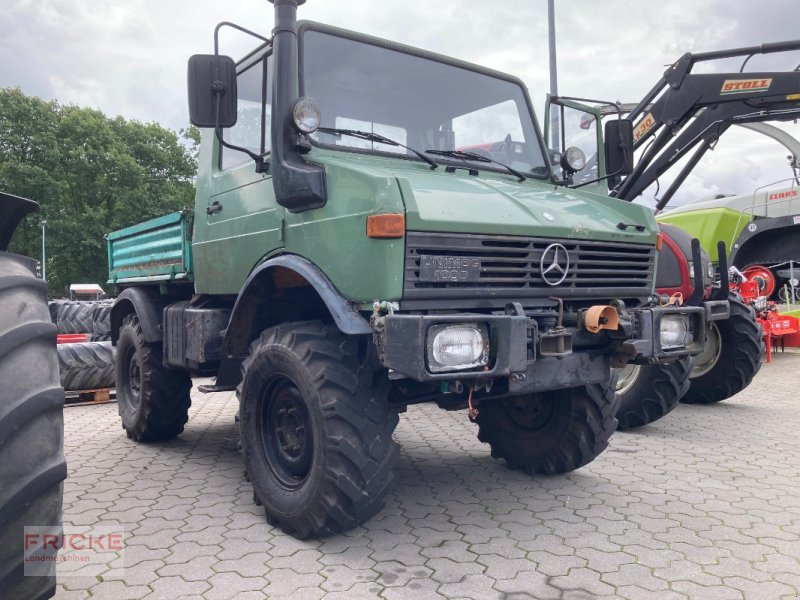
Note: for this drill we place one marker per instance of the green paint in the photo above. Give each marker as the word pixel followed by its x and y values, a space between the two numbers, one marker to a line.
pixel 227 244
pixel 159 248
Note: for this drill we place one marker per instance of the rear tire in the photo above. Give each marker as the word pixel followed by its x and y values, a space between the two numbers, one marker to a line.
pixel 740 340
pixel 551 432
pixel 649 392
pixel 316 429
pixel 32 465
pixel 153 401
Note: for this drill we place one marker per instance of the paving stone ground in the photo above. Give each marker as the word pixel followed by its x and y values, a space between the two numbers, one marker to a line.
pixel 702 504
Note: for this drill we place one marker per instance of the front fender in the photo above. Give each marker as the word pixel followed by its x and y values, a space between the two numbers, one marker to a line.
pixel 261 284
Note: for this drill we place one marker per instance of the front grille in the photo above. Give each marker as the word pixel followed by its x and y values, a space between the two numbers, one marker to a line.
pixel 510 268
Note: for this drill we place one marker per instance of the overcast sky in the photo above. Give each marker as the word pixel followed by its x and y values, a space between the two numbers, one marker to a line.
pixel 129 57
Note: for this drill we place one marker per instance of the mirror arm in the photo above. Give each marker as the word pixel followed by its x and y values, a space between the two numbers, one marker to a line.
pixel 609 176
pixel 239 28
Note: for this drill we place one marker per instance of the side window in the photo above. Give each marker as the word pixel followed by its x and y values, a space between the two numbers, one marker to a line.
pixel 252 129
pixel 577 128
pixel 580 129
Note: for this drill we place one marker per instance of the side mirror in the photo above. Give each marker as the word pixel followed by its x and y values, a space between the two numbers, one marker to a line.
pixel 212 90
pixel 619 147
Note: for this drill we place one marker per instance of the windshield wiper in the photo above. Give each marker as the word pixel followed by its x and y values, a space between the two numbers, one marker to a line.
pixel 464 155
pixel 377 138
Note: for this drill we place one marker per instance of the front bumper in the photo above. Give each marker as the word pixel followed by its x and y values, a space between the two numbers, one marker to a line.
pixel 529 357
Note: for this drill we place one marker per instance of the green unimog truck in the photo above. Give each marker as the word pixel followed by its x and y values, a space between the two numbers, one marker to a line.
pixel 377 226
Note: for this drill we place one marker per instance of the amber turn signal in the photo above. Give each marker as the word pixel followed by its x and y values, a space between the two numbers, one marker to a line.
pixel 659 241
pixel 386 226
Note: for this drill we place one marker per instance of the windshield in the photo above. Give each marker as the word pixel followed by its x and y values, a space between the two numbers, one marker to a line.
pixel 418 102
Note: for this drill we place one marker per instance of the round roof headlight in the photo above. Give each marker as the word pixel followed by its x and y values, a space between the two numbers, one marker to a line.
pixel 573 159
pixel 306 116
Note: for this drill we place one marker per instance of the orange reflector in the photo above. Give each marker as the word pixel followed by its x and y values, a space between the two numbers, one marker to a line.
pixel 659 241
pixel 386 226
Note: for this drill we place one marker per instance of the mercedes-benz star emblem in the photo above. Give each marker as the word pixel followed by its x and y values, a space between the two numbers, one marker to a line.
pixel 554 264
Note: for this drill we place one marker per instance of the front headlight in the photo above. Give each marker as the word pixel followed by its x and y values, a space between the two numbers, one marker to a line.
pixel 457 347
pixel 691 271
pixel 674 332
pixel 573 159
pixel 306 116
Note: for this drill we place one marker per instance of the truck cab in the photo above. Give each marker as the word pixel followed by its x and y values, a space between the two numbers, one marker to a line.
pixel 376 226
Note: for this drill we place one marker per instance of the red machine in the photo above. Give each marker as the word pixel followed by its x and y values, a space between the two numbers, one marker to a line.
pixel 775 325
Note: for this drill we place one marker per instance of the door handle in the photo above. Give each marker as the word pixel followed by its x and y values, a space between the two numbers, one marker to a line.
pixel 214 208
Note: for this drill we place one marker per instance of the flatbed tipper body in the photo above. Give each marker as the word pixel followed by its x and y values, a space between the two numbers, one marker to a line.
pixel 156 250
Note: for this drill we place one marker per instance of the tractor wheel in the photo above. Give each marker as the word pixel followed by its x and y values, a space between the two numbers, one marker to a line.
pixel 735 351
pixel 550 432
pixel 316 429
pixel 32 465
pixel 153 401
pixel 649 392
pixel 87 366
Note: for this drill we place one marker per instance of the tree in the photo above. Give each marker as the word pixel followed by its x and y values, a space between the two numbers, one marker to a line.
pixel 91 175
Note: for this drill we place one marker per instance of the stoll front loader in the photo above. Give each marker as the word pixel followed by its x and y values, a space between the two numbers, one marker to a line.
pixel 683 112
pixel 346 258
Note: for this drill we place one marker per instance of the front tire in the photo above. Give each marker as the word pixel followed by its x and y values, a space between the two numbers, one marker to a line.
pixel 650 392
pixel 153 401
pixel 316 429
pixel 551 432
pixel 738 351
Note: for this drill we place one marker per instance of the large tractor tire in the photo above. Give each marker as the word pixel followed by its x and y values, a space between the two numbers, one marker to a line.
pixel 649 392
pixel 733 356
pixel 153 401
pixel 316 429
pixel 550 432
pixel 75 317
pixel 87 366
pixel 32 465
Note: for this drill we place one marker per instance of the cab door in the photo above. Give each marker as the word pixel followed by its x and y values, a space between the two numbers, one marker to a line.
pixel 242 220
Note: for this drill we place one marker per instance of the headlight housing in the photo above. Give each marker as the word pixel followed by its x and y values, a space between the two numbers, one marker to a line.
pixel 674 332
pixel 457 347
pixel 306 116
pixel 573 159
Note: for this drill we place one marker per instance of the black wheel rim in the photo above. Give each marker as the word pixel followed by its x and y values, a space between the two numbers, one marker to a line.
pixel 285 430
pixel 531 413
pixel 133 379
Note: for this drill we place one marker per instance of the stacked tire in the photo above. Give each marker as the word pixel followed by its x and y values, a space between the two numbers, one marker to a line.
pixel 92 317
pixel 85 365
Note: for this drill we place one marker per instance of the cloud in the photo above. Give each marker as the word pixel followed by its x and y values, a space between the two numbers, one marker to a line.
pixel 130 58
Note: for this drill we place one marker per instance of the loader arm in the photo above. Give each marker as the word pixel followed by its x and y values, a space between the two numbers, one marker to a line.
pixel 686 112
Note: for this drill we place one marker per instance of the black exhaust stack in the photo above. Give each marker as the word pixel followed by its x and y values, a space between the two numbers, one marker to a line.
pixel 298 185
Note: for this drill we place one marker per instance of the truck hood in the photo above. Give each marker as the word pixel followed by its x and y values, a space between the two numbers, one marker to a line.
pixel 489 205
pixel 497 204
